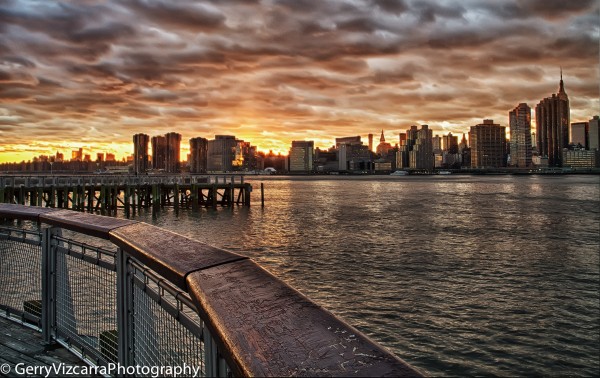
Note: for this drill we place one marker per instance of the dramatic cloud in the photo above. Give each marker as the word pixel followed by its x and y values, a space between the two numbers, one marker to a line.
pixel 93 73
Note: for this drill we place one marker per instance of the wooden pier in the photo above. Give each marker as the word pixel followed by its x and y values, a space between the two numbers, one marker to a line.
pixel 105 194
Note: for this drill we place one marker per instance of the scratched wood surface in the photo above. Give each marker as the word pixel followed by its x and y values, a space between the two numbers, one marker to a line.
pixel 19 344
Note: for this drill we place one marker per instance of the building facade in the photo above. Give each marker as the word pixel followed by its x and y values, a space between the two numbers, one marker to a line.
pixel 198 155
pixel 352 154
pixel 301 156
pixel 488 145
pixel 580 134
pixel 552 116
pixel 140 153
pixel 520 136
pixel 173 152
pixel 594 133
pixel 221 153
pixel 416 152
pixel 159 151
pixel 579 158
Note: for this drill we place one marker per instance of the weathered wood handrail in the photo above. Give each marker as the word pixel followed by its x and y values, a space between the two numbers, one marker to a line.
pixel 262 326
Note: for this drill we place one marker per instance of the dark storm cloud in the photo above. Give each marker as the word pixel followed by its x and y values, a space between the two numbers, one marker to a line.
pixel 189 14
pixel 392 6
pixel 295 67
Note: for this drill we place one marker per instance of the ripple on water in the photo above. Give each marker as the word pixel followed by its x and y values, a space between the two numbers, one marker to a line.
pixel 459 275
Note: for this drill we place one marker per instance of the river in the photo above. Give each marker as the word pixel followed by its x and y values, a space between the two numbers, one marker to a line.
pixel 457 275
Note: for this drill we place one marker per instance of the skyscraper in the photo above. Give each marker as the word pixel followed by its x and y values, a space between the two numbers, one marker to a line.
pixel 552 116
pixel 221 153
pixel 140 153
pixel 301 156
pixel 520 136
pixel 198 155
pixel 159 152
pixel 488 144
pixel 173 152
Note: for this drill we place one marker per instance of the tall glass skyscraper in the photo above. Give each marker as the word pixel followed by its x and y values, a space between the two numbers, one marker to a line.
pixel 520 136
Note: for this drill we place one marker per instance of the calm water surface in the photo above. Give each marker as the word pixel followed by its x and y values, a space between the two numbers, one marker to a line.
pixel 457 275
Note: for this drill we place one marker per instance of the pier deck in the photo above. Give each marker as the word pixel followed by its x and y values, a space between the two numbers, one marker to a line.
pixel 106 194
pixel 23 345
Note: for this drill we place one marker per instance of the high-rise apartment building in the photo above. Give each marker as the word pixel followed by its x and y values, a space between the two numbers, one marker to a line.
pixel 520 136
pixel 580 134
pixel 594 133
pixel 301 156
pixel 140 153
pixel 488 145
pixel 552 116
pixel 221 153
pixel 436 143
pixel 370 136
pixel 198 155
pixel 159 152
pixel 173 152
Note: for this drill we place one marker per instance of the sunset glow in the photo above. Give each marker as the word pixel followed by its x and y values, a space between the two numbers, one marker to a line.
pixel 92 74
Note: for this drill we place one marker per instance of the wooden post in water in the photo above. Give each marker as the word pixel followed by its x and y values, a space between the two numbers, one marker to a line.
pixel 90 198
pixel 176 198
pixel 195 195
pixel 231 192
pixel 74 198
pixel 155 197
pixel 214 196
pixel 65 197
pixel 102 199
pixel 40 196
pixel 262 194
pixel 21 195
pixel 126 195
pixel 52 197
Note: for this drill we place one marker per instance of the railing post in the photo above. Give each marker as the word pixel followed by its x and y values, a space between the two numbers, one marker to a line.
pixel 48 283
pixel 124 307
pixel 211 364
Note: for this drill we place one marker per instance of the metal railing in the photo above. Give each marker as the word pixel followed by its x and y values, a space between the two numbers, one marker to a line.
pixel 119 291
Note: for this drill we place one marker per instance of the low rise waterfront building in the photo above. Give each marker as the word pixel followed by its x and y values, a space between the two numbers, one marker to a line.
pixel 581 158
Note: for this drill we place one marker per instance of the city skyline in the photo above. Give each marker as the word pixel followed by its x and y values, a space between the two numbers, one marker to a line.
pixel 80 74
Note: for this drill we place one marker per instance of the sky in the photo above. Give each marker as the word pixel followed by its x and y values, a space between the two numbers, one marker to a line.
pixel 91 73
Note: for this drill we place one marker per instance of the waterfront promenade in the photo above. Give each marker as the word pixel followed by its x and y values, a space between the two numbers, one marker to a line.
pixel 22 347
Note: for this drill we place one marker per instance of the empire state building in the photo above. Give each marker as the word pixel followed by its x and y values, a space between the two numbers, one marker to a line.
pixel 552 116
